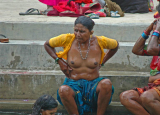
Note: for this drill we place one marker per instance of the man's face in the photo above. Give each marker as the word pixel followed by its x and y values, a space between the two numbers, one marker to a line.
pixel 82 33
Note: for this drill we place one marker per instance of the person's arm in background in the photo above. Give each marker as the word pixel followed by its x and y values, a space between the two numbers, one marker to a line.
pixel 153 46
pixel 139 46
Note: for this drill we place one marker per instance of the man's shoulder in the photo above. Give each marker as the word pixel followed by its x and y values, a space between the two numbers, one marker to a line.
pixel 102 37
pixel 69 34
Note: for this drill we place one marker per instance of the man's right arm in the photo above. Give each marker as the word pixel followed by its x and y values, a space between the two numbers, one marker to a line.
pixel 140 48
pixel 50 50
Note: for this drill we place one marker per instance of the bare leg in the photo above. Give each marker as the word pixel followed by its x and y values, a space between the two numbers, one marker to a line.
pixel 131 100
pixel 104 90
pixel 67 97
pixel 151 101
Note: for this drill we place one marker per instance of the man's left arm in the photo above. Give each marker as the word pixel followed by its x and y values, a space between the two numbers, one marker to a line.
pixel 110 53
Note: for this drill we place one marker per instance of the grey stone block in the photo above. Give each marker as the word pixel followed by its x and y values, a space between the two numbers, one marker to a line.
pixel 31 55
pixel 15 84
pixel 24 107
pixel 45 30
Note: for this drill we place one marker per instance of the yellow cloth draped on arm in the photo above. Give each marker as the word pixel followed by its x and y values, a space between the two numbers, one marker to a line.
pixel 66 40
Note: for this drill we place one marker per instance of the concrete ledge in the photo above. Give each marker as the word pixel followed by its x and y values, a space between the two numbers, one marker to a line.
pixel 31 55
pixel 40 27
pixel 15 84
pixel 35 31
pixel 22 106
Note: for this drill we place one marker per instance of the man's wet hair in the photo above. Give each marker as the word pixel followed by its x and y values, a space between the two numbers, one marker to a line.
pixel 45 102
pixel 85 21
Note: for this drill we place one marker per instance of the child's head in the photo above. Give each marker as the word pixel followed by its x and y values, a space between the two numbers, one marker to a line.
pixel 46 105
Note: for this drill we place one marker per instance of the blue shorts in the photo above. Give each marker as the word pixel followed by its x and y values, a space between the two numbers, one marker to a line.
pixel 85 93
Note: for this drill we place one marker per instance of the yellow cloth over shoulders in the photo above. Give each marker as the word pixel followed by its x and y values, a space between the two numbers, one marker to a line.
pixel 66 40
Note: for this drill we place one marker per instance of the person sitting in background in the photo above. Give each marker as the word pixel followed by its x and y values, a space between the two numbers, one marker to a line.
pixel 146 100
pixel 45 105
pixel 82 57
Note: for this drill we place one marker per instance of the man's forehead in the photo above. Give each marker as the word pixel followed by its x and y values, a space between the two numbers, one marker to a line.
pixel 80 26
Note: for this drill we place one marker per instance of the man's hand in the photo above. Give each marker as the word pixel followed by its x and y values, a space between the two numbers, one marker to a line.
pixel 158 25
pixel 150 27
pixel 66 69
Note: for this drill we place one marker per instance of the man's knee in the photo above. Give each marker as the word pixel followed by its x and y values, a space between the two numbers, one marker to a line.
pixel 147 98
pixel 65 91
pixel 126 96
pixel 106 84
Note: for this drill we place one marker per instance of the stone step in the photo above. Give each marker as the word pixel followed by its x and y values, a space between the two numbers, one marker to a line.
pixel 31 55
pixel 25 107
pixel 40 27
pixel 35 31
pixel 18 84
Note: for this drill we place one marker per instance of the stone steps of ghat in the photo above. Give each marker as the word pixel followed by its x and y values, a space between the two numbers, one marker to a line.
pixel 31 55
pixel 22 84
pixel 24 107
pixel 27 71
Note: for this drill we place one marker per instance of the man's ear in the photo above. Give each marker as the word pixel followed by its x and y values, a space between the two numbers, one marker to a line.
pixel 92 32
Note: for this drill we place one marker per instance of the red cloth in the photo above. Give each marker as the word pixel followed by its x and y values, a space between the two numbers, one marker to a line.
pixel 53 12
pixel 73 9
pixel 51 2
pixel 62 6
pixel 156 15
pixel 155 63
pixel 150 86
pixel 90 8
pixel 157 82
pixel 83 1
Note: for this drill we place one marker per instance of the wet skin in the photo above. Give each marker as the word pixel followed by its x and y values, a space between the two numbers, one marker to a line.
pixel 153 78
pixel 76 68
pixel 147 103
pixel 49 112
pixel 84 69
